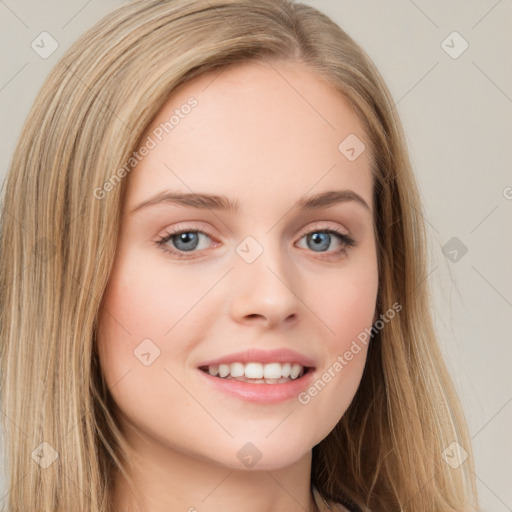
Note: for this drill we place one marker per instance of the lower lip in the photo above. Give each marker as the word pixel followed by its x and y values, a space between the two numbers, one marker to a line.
pixel 262 393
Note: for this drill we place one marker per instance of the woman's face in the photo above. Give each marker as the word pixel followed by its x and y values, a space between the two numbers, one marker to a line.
pixel 273 279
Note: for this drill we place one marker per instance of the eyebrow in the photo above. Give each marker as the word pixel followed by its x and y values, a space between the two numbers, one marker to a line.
pixel 221 202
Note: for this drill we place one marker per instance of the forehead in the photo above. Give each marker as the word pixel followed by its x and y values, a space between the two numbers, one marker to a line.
pixel 257 131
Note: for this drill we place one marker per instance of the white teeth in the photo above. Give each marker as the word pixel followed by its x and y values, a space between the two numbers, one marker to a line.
pixel 254 370
pixel 286 369
pixel 268 372
pixel 224 370
pixel 295 371
pixel 237 370
pixel 272 371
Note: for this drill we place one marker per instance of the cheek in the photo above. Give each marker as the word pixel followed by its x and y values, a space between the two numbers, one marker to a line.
pixel 126 318
pixel 143 302
pixel 131 325
pixel 346 302
pixel 346 308
pixel 351 310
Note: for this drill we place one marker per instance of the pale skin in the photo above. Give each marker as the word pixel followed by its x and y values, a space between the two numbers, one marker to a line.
pixel 260 142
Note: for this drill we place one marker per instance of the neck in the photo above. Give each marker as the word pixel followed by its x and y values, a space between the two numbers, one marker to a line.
pixel 168 480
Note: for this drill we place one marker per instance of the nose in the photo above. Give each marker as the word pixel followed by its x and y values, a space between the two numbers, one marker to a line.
pixel 265 291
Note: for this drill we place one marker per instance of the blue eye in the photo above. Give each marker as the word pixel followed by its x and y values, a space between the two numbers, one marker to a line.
pixel 322 239
pixel 187 241
pixel 183 243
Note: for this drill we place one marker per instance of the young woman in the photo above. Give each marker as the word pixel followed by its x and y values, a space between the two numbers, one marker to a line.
pixel 213 277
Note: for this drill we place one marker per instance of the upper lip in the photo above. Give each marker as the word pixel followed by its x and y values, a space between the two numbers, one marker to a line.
pixel 255 355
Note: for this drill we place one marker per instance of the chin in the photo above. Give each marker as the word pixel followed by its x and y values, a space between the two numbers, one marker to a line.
pixel 264 454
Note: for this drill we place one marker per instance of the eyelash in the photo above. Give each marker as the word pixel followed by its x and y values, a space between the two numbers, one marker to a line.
pixel 346 240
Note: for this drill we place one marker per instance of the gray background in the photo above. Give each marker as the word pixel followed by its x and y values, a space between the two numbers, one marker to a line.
pixel 457 115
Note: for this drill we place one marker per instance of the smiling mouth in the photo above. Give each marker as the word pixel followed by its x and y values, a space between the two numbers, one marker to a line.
pixel 258 373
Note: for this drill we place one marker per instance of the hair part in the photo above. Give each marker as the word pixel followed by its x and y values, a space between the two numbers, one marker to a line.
pixel 58 243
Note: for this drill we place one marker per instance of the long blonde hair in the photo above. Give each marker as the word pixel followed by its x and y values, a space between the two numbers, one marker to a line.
pixel 58 241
